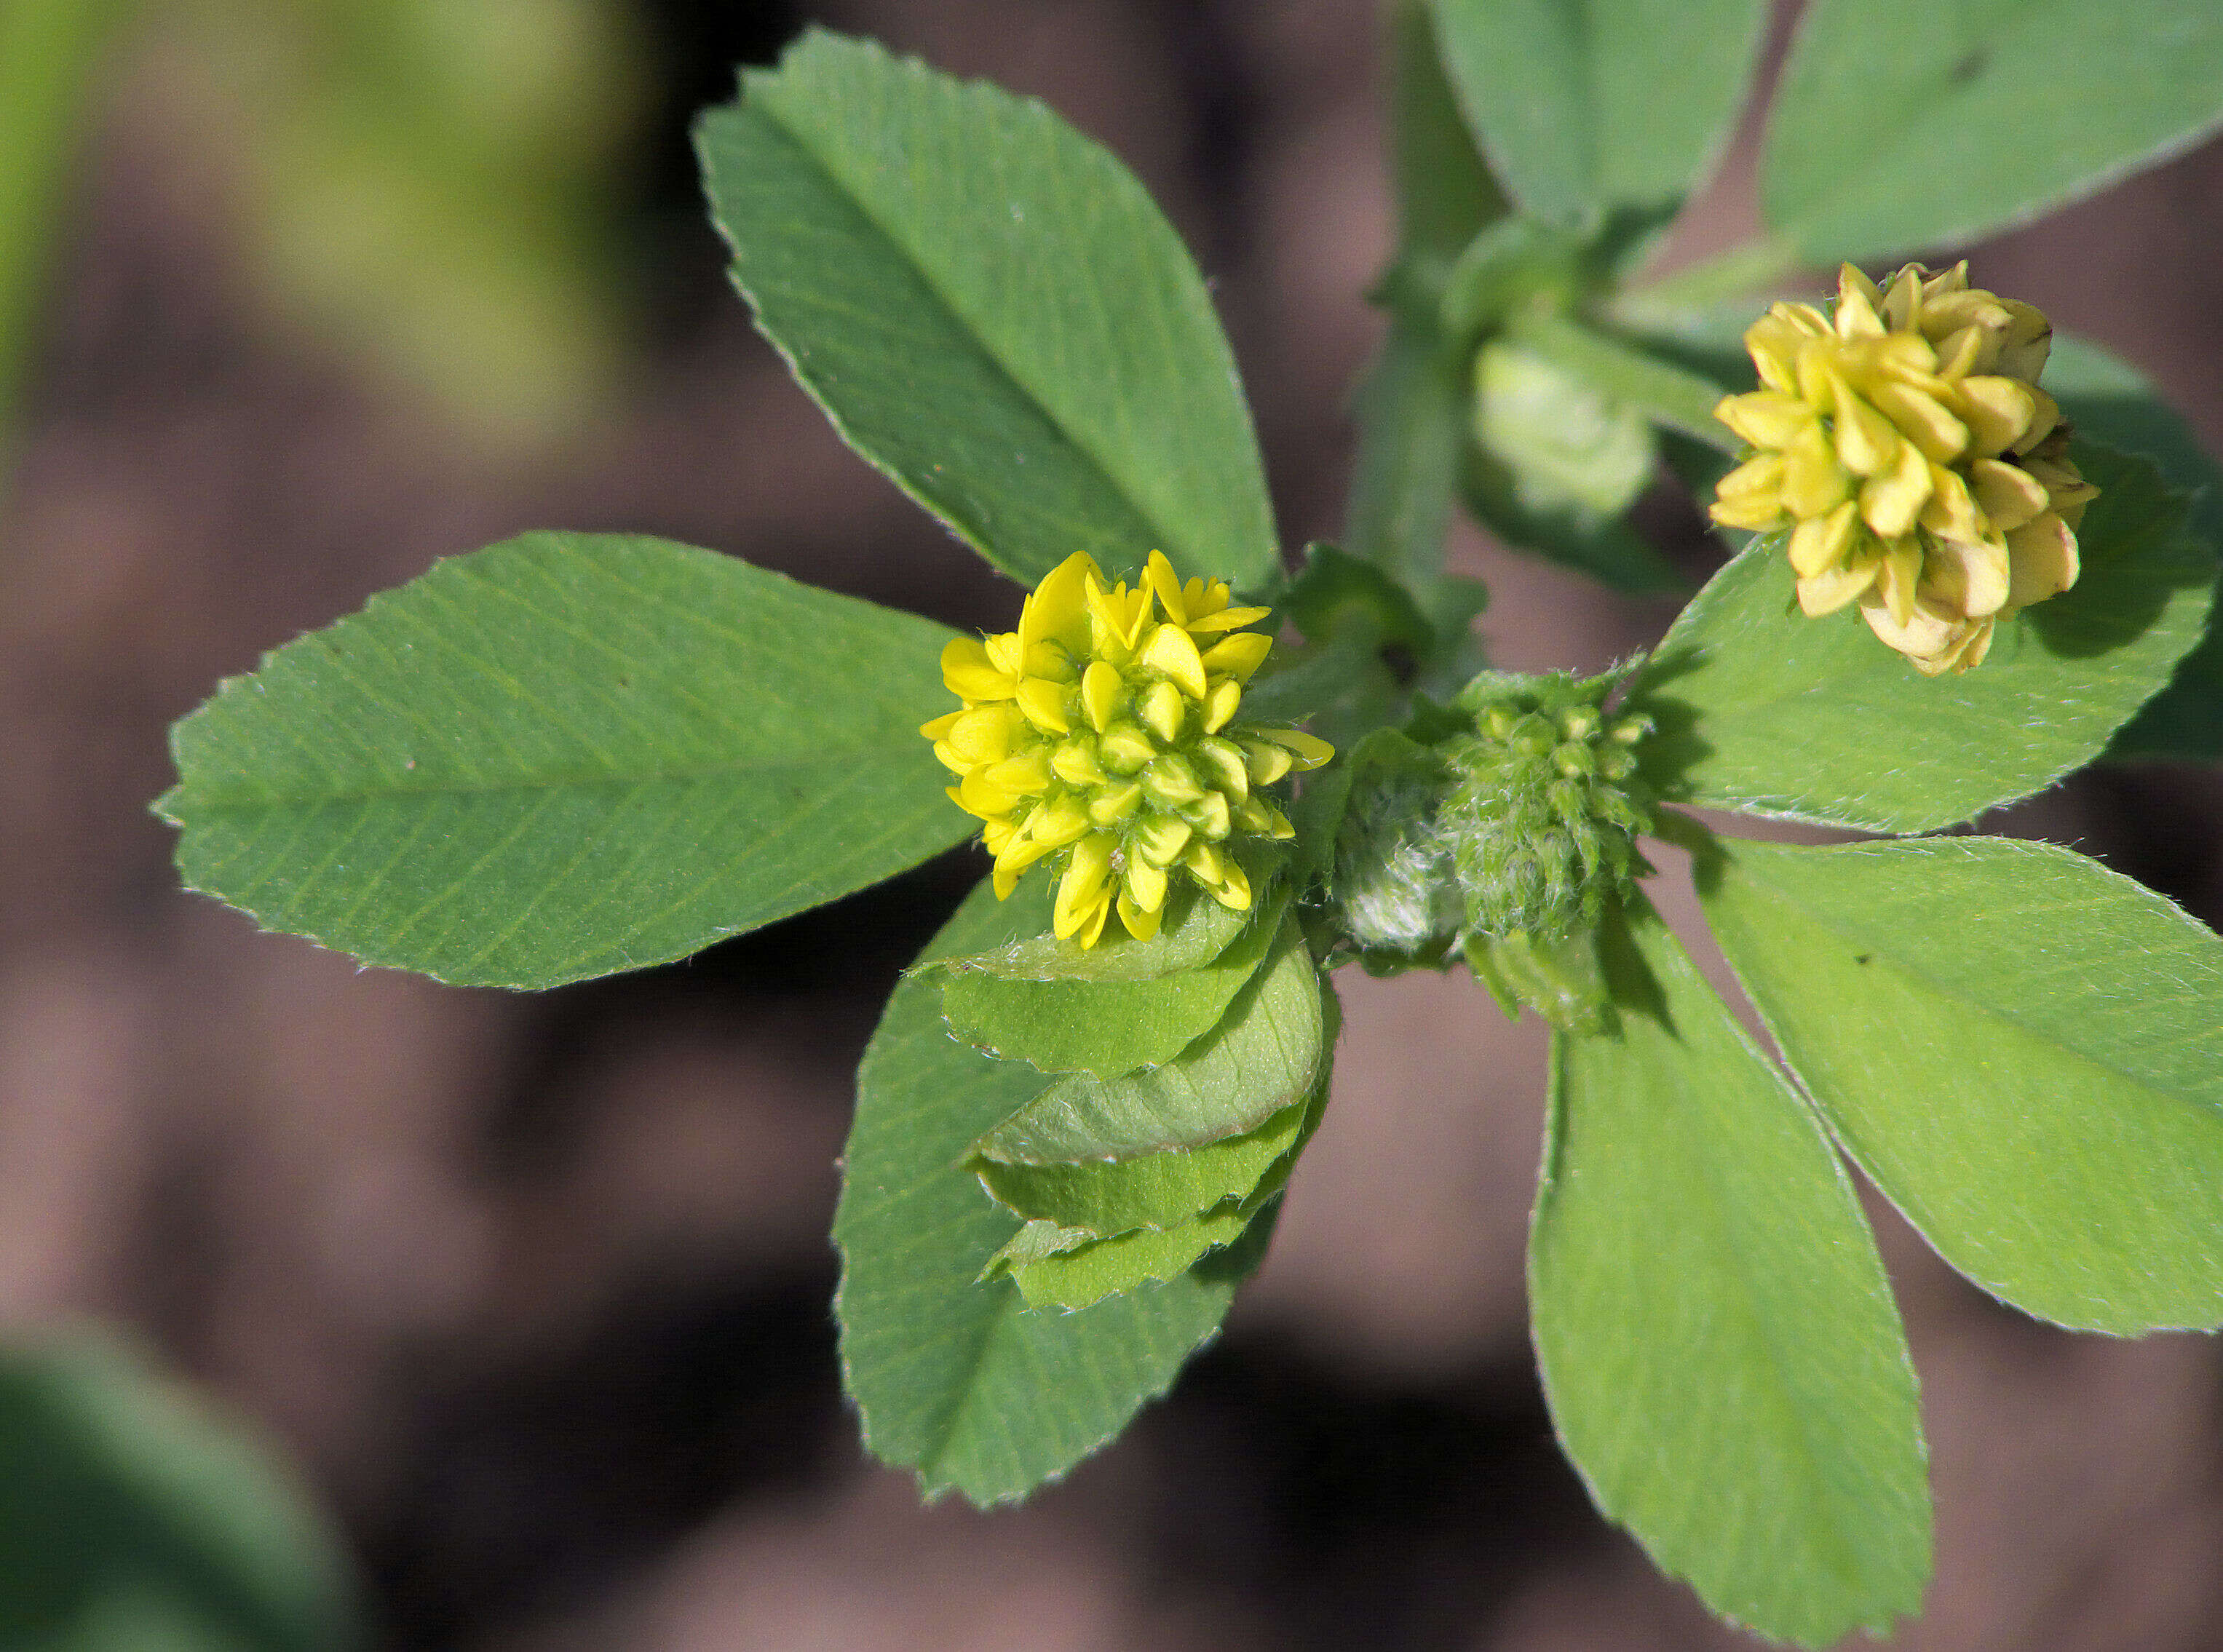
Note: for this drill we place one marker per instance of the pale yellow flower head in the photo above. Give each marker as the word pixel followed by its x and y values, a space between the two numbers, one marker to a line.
pixel 1905 442
pixel 1101 732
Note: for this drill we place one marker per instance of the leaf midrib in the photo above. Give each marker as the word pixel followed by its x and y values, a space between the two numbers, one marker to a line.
pixel 992 350
pixel 1987 1010
pixel 204 807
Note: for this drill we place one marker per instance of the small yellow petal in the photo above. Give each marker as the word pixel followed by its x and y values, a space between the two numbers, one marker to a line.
pixel 969 674
pixel 1074 763
pixel 1891 504
pixel 1141 922
pixel 1146 884
pixel 1923 420
pixel 1101 689
pixel 2008 495
pixel 1766 419
pixel 1265 761
pixel 1044 706
pixel 1820 542
pixel 1058 610
pixel 2043 558
pixel 1998 412
pixel 1110 807
pixel 1163 711
pixel 1228 772
pixel 1309 750
pixel 1161 839
pixel 1219 705
pixel 1171 651
pixel 1124 749
pixel 1236 656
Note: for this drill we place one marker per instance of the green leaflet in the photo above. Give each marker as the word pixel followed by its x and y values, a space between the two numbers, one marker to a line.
pixel 1104 1196
pixel 991 310
pixel 136 1517
pixel 1105 1027
pixel 955 1379
pixel 2110 401
pixel 1718 1343
pixel 1902 125
pixel 566 755
pixel 1761 708
pixel 2019 1047
pixel 1588 105
pixel 1263 1055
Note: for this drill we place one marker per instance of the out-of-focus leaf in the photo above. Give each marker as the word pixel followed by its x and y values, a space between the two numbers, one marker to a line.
pixel 1760 707
pixel 991 310
pixel 1902 125
pixel 1587 105
pixel 1718 1341
pixel 132 1515
pixel 566 755
pixel 955 1379
pixel 2019 1047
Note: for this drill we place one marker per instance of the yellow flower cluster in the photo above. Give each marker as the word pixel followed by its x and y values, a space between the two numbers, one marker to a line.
pixel 1905 442
pixel 1099 732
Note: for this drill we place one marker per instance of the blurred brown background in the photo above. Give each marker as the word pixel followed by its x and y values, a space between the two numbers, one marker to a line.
pixel 537 1288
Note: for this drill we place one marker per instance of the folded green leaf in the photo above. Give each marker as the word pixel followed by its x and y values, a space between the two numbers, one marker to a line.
pixel 567 755
pixel 2019 1047
pixel 1104 1196
pixel 1263 1053
pixel 1082 1275
pixel 2110 401
pixel 1107 1028
pixel 1718 1343
pixel 1903 124
pixel 137 1517
pixel 954 1377
pixel 1761 708
pixel 991 310
pixel 1587 106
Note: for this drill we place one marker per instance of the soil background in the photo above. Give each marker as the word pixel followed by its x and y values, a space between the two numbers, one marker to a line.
pixel 536 1288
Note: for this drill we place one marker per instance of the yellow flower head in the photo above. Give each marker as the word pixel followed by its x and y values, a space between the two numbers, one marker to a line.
pixel 1101 731
pixel 1905 442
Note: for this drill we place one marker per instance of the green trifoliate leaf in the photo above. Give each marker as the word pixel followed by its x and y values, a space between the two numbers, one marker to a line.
pixel 1759 707
pixel 1588 106
pixel 1718 1343
pixel 1106 1027
pixel 991 310
pixel 566 755
pixel 2019 1047
pixel 137 1517
pixel 1263 1054
pixel 2110 401
pixel 955 1379
pixel 1227 1244
pixel 1899 126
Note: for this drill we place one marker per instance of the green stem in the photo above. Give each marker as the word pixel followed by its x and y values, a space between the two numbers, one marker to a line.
pixel 50 52
pixel 1671 395
pixel 1750 267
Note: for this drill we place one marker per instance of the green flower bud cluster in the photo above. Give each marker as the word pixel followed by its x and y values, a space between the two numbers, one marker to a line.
pixel 1508 817
pixel 1546 807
